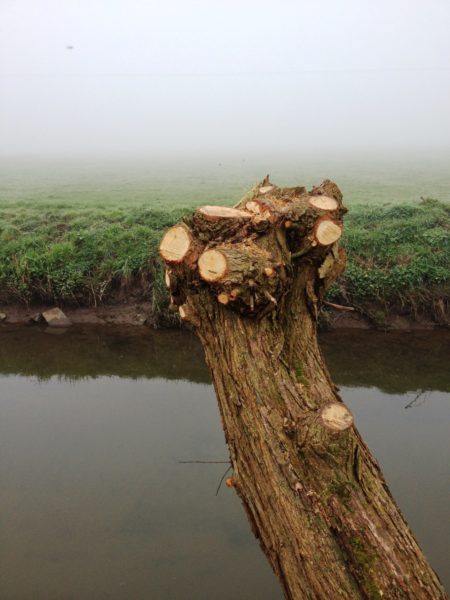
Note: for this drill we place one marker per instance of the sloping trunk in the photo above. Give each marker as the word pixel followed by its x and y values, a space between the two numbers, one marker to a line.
pixel 251 283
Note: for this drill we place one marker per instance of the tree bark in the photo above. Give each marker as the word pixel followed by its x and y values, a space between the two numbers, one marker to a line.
pixel 314 495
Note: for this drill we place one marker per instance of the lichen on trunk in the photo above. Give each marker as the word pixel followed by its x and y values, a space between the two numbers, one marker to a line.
pixel 314 495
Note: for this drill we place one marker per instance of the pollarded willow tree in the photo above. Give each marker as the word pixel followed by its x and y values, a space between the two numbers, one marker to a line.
pixel 251 280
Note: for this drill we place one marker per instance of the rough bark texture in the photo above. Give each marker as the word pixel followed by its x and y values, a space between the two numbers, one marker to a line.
pixel 314 495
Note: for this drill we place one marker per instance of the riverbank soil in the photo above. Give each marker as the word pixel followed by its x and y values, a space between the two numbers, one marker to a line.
pixel 142 314
pixel 120 314
pixel 251 283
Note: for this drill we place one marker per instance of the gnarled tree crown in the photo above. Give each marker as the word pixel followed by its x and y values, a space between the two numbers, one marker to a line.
pixel 248 255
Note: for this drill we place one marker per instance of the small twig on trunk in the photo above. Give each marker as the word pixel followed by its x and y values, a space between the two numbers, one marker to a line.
pixel 204 462
pixel 221 481
pixel 338 306
pixel 301 252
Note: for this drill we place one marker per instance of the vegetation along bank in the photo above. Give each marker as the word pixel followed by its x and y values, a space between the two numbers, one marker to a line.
pixel 81 255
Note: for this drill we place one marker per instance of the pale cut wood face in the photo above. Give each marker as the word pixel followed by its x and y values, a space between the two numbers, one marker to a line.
pixel 324 202
pixel 327 232
pixel 223 212
pixel 266 189
pixel 337 417
pixel 253 207
pixel 175 244
pixel 212 265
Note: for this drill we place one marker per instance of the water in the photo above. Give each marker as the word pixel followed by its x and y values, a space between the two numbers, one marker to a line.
pixel 93 424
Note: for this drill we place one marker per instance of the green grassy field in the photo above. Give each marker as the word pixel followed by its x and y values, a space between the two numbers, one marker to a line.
pixel 183 184
pixel 93 240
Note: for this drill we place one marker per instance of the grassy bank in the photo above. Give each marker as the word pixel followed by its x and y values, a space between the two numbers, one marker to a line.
pixel 87 254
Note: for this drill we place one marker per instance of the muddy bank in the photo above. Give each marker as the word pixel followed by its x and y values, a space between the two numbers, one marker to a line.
pixel 141 314
pixel 138 314
pixel 335 319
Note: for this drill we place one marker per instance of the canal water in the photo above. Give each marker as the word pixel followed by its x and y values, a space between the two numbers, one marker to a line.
pixel 94 423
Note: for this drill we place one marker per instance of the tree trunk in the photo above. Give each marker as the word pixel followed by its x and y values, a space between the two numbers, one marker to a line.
pixel 314 495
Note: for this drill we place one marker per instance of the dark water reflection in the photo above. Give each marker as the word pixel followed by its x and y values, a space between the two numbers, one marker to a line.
pixel 94 503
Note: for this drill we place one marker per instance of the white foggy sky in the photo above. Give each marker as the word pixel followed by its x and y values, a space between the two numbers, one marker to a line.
pixel 223 77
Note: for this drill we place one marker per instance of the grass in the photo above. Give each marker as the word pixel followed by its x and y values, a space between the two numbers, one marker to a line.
pixel 398 260
pixel 70 254
pixel 56 248
pixel 81 255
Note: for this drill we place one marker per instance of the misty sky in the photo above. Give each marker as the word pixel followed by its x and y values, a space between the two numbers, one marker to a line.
pixel 188 78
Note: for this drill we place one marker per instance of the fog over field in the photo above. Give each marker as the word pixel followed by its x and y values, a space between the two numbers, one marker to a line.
pixel 248 80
